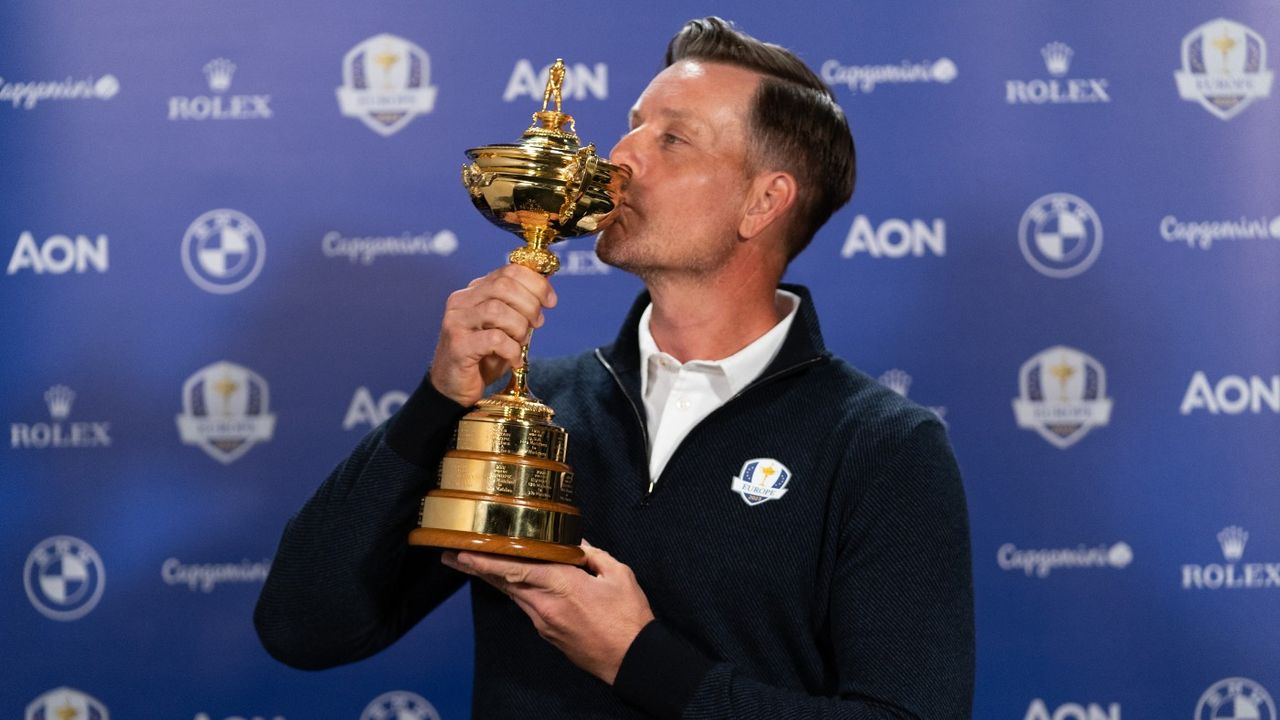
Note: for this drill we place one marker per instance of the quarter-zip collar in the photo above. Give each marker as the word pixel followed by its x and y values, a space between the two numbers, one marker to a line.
pixel 803 345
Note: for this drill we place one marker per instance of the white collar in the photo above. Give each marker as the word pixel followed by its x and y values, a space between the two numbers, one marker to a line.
pixel 739 368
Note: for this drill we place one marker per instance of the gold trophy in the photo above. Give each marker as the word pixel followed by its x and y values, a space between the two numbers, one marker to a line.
pixel 504 486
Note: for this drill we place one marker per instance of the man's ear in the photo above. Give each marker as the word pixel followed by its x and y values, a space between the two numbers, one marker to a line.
pixel 769 198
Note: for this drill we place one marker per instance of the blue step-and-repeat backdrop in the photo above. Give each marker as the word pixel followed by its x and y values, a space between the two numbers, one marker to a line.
pixel 227 231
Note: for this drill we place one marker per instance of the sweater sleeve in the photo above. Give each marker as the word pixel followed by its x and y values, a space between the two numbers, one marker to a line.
pixel 344 582
pixel 900 614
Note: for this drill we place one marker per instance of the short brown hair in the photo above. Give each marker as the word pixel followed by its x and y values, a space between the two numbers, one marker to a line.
pixel 796 124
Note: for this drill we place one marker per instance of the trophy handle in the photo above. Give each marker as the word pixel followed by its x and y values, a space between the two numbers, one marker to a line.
pixel 576 184
pixel 475 180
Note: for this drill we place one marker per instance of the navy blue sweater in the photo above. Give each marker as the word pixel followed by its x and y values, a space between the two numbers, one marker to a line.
pixel 849 596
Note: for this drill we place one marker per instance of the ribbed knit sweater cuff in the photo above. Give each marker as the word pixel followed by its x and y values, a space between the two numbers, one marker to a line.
pixel 660 672
pixel 425 414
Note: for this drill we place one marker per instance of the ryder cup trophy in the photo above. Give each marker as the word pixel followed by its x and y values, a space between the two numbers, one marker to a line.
pixel 504 486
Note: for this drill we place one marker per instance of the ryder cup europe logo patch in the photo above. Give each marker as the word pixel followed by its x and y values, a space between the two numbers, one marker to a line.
pixel 225 411
pixel 1064 395
pixel 65 702
pixel 761 479
pixel 386 82
pixel 1224 67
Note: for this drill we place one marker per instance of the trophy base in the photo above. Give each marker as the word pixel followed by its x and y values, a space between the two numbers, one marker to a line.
pixel 498 545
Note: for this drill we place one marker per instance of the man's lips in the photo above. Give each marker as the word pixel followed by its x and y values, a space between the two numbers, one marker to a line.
pixel 619 217
pixel 615 217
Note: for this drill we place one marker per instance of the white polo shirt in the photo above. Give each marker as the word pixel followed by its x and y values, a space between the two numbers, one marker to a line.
pixel 677 396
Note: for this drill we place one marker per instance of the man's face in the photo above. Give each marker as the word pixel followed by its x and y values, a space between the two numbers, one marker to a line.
pixel 687 149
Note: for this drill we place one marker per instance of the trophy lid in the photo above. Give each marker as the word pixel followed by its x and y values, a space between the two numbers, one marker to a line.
pixel 548 128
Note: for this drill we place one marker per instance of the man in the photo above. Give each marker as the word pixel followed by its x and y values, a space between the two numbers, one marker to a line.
pixel 843 590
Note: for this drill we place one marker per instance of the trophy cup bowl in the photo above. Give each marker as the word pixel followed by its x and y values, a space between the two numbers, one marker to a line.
pixel 504 486
pixel 544 189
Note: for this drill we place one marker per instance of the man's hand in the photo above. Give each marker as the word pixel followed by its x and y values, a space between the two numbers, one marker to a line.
pixel 484 326
pixel 592 619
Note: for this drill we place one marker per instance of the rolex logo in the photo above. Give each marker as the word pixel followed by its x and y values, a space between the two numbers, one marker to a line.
pixel 58 433
pixel 1058 88
pixel 900 382
pixel 1232 574
pixel 897 381
pixel 1232 539
pixel 220 105
pixel 59 399
pixel 1057 58
pixel 219 72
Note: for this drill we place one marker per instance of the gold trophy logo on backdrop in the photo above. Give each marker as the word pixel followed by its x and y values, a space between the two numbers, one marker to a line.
pixel 504 486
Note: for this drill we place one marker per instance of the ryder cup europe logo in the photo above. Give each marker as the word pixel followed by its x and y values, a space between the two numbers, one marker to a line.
pixel 223 251
pixel 1224 67
pixel 761 479
pixel 1060 235
pixel 1236 698
pixel 64 578
pixel 386 82
pixel 1063 395
pixel 225 411
pixel 65 702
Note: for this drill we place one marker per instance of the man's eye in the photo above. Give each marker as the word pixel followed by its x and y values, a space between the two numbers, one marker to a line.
pixel 669 139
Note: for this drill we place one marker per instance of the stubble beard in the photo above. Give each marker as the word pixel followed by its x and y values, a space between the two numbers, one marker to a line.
pixel 640 251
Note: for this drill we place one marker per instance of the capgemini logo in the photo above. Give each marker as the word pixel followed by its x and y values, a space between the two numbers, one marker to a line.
pixel 865 78
pixel 106 87
pixel 1041 562
pixel 1120 555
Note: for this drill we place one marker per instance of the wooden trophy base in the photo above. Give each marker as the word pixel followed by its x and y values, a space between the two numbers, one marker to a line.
pixel 498 545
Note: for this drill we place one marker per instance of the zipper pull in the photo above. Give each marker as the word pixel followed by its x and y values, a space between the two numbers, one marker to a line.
pixel 653 482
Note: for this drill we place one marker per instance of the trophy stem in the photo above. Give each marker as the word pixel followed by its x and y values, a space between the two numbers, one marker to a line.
pixel 519 383
pixel 535 255
pixel 538 237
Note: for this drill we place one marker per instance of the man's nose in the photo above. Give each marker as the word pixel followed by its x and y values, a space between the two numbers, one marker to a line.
pixel 623 153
